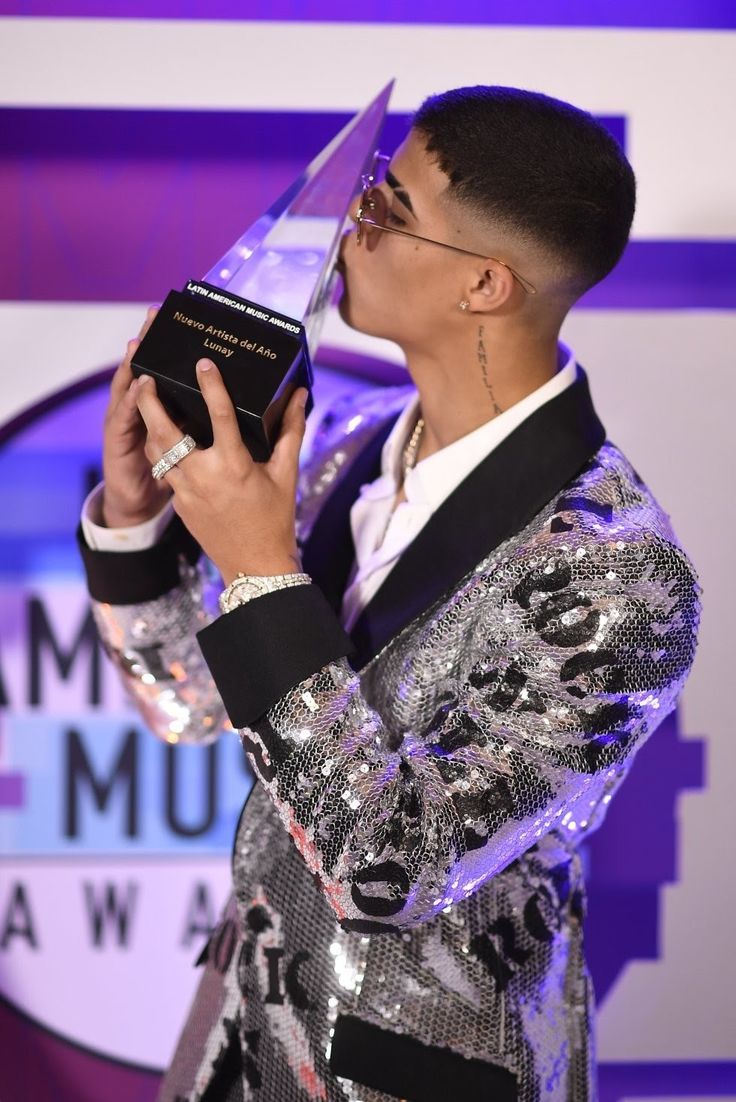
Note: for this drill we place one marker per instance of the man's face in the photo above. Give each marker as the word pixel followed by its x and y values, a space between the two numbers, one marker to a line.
pixel 396 287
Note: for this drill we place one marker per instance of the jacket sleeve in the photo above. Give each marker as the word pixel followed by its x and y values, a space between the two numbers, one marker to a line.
pixel 148 606
pixel 523 699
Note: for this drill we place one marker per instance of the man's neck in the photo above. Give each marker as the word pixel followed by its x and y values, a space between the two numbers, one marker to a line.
pixel 464 388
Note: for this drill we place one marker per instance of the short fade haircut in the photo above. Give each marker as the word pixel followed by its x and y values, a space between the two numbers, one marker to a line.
pixel 538 167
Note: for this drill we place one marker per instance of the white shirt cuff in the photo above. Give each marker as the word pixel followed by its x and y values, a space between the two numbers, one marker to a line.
pixel 139 537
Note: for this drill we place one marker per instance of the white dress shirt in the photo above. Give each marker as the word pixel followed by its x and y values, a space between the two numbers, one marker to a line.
pixel 426 486
pixel 379 534
pixel 136 538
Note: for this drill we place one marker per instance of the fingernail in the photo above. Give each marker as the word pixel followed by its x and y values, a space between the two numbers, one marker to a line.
pixel 204 365
pixel 303 398
pixel 143 379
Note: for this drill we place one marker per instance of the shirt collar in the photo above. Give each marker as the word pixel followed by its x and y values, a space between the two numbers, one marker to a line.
pixel 435 477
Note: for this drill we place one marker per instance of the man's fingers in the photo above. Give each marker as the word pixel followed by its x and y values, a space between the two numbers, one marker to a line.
pixel 130 351
pixel 162 431
pixel 225 431
pixel 286 453
pixel 123 377
pixel 148 321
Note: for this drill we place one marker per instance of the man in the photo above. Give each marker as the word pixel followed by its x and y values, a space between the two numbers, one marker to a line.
pixel 441 660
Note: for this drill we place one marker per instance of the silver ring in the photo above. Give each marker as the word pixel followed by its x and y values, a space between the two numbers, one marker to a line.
pixel 173 456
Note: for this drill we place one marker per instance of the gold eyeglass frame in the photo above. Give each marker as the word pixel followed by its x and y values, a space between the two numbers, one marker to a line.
pixel 361 220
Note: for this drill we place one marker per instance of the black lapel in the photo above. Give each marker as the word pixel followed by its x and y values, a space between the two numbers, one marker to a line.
pixel 328 554
pixel 496 500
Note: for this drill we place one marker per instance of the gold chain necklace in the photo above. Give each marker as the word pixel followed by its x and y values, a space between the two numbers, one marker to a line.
pixel 409 456
pixel 408 460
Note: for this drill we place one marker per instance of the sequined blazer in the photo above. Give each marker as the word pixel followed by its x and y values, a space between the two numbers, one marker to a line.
pixel 406 919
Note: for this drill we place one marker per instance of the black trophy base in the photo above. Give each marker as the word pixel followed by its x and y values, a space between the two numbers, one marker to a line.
pixel 262 357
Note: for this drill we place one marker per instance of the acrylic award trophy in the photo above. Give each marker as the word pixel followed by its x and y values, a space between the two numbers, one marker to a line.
pixel 259 311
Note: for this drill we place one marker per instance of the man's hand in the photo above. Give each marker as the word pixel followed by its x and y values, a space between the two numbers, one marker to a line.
pixel 131 495
pixel 242 513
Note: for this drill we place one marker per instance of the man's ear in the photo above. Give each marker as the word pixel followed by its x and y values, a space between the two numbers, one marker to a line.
pixel 491 287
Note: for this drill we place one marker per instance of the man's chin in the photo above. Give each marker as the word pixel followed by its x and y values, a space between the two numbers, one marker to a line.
pixel 347 313
pixel 345 310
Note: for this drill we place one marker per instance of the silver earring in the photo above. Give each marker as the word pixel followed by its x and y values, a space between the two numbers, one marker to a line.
pixel 464 305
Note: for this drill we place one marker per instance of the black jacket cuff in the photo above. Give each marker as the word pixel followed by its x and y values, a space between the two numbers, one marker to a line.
pixel 264 648
pixel 132 577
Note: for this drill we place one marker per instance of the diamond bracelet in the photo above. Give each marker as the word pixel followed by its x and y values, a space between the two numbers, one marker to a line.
pixel 246 587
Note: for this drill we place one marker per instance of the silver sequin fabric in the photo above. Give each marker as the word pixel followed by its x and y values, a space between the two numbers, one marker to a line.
pixel 411 858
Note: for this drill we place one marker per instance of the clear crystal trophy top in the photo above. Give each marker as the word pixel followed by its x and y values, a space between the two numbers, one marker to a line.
pixel 259 311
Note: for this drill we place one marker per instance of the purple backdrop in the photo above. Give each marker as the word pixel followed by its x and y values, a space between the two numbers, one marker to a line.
pixel 719 14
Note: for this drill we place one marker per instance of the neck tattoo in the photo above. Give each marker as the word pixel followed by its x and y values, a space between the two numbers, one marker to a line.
pixel 483 361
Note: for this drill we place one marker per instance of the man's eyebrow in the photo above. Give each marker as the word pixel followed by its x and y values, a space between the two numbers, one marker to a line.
pixel 399 190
